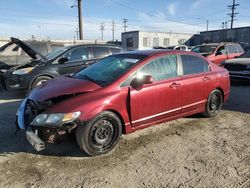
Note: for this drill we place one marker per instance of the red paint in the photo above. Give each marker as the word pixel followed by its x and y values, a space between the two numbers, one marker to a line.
pixel 152 104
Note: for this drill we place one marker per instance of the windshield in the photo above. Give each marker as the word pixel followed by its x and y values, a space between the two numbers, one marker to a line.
pixel 204 49
pixel 109 69
pixel 245 55
pixel 55 53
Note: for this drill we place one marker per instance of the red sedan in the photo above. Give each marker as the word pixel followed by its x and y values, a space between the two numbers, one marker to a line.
pixel 120 94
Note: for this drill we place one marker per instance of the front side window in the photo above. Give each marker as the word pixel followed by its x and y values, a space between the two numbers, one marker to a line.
pixel 77 54
pixel 193 65
pixel 100 52
pixel 161 68
pixel 221 50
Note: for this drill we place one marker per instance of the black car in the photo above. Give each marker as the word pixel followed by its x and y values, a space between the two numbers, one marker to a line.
pixel 61 61
pixel 239 68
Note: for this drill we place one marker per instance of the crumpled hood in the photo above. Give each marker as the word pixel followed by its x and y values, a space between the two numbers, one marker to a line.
pixel 242 61
pixel 61 86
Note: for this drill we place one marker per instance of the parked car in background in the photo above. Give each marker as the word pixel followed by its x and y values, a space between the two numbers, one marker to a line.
pixel 219 52
pixel 14 53
pixel 121 94
pixel 61 61
pixel 178 47
pixel 239 68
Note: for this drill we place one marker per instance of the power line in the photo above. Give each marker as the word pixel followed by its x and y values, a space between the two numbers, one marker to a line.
pixel 233 13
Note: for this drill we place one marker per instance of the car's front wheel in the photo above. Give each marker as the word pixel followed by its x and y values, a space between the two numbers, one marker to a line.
pixel 214 103
pixel 99 135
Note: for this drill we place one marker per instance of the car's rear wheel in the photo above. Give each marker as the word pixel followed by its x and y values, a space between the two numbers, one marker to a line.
pixel 99 135
pixel 38 81
pixel 214 103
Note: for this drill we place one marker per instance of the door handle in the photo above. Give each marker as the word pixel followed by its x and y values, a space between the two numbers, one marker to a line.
pixel 174 85
pixel 206 78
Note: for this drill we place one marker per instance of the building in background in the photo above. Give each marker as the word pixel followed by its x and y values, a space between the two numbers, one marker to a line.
pixel 240 35
pixel 133 40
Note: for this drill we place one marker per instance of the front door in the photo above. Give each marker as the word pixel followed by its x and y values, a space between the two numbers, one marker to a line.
pixel 220 55
pixel 77 59
pixel 160 99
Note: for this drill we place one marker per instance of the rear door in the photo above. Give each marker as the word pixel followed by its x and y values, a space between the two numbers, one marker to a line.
pixel 196 82
pixel 78 58
pixel 232 51
pixel 158 100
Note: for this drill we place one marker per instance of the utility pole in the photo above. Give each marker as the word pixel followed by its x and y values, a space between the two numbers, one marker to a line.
pixel 125 24
pixel 207 24
pixel 233 13
pixel 102 28
pixel 80 19
pixel 113 30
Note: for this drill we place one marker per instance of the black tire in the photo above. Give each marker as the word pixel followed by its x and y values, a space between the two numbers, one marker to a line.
pixel 99 135
pixel 39 81
pixel 214 103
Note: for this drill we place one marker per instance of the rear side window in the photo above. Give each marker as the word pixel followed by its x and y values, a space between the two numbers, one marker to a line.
pixel 232 49
pixel 99 52
pixel 115 50
pixel 77 54
pixel 193 65
pixel 240 49
pixel 161 68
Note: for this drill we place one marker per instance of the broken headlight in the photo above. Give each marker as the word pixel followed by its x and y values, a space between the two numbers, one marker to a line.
pixel 55 119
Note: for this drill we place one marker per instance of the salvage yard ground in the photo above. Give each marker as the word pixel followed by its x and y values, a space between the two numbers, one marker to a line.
pixel 189 152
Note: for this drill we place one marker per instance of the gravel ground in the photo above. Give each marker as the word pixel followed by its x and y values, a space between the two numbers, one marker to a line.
pixel 189 152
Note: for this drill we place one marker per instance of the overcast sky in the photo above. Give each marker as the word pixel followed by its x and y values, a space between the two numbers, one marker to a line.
pixel 56 18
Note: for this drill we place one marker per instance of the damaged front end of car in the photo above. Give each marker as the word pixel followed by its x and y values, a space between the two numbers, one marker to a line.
pixel 41 126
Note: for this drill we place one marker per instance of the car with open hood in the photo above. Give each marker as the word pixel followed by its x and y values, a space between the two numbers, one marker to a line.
pixel 61 61
pixel 16 52
pixel 239 68
pixel 219 52
pixel 121 94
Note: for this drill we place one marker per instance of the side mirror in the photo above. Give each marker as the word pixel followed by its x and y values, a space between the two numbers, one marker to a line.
pixel 63 60
pixel 139 82
pixel 218 53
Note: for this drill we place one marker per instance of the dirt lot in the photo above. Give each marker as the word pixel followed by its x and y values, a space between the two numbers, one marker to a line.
pixel 190 152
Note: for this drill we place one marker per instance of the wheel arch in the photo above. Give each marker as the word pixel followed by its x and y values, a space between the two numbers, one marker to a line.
pixel 221 90
pixel 120 117
pixel 37 76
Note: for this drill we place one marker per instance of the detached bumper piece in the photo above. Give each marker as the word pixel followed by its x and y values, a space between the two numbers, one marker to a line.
pixel 34 140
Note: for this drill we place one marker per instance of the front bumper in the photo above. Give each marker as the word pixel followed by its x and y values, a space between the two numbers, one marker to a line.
pixel 34 140
pixel 16 82
pixel 37 135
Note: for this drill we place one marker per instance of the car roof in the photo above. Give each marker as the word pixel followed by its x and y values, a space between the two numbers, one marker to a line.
pixel 102 45
pixel 154 52
pixel 216 44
